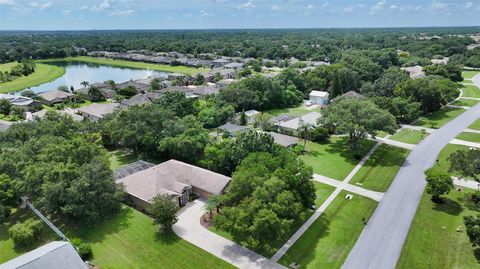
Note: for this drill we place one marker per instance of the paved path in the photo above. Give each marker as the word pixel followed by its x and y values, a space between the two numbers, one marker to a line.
pixel 465 143
pixel 395 143
pixel 189 228
pixel 381 242
pixel 470 98
pixel 468 130
pixel 374 195
pixel 461 107
pixel 322 208
pixel 418 128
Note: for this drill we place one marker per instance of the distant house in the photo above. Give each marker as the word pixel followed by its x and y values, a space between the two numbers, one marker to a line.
pixel 175 76
pixel 281 118
pixel 20 101
pixel 440 61
pixel 56 96
pixel 319 98
pixel 350 94
pixel 225 82
pixel 42 113
pixel 219 62
pixel 251 114
pixel 293 126
pixel 233 65
pixel 204 90
pixel 224 74
pixel 106 92
pixel 284 140
pixel 96 111
pixel 415 72
pixel 140 99
pixel 233 129
pixel 186 90
pixel 54 255
pixel 175 179
pixel 140 87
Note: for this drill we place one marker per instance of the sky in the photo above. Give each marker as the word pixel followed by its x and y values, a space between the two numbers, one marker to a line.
pixel 220 14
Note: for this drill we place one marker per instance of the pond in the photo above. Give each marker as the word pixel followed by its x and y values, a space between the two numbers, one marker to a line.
pixel 76 72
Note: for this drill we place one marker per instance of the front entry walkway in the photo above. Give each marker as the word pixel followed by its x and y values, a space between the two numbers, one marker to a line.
pixel 189 228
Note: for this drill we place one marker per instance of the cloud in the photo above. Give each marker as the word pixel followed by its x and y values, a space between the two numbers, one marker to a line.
pixel 83 7
pixel 204 13
pixel 8 3
pixel 468 5
pixel 41 6
pixel 247 6
pixel 66 12
pixel 122 12
pixel 275 8
pixel 349 9
pixel 106 4
pixel 377 7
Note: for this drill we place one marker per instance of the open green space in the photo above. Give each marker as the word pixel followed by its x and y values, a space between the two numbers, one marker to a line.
pixel 442 159
pixel 439 118
pixel 7 66
pixel 130 64
pixel 322 191
pixel 465 102
pixel 328 241
pixel 475 125
pixel 380 169
pixel 409 136
pixel 125 240
pixel 472 137
pixel 469 74
pixel 470 91
pixel 295 111
pixel 334 159
pixel 43 73
pixel 433 241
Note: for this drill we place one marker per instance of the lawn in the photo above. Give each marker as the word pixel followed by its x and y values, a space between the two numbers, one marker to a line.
pixel 121 157
pixel 380 169
pixel 433 241
pixel 409 136
pixel 7 66
pixel 328 241
pixel 295 111
pixel 442 158
pixel 470 91
pixel 475 125
pixel 43 73
pixel 472 137
pixel 469 74
pixel 139 65
pixel 439 118
pixel 334 159
pixel 322 191
pixel 465 102
pixel 127 240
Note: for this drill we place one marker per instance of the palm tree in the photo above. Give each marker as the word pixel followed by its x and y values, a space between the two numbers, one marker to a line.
pixel 85 83
pixel 305 129
pixel 111 83
pixel 215 201
pixel 209 207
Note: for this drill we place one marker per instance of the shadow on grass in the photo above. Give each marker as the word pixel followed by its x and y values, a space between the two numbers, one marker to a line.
pixel 448 206
pixel 167 238
pixel 341 146
pixel 387 156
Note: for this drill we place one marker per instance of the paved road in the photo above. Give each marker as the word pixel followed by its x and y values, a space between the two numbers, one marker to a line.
pixel 381 242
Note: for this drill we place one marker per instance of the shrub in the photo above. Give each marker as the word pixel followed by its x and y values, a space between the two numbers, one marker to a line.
pixel 5 211
pixel 83 249
pixel 320 134
pixel 25 233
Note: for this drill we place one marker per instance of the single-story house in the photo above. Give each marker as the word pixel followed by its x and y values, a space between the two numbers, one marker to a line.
pixel 140 99
pixel 440 61
pixel 233 65
pixel 140 87
pixel 251 114
pixel 106 92
pixel 219 62
pixel 20 101
pixel 176 76
pixel 41 114
pixel 284 140
pixel 319 98
pixel 54 255
pixel 56 96
pixel 292 127
pixel 96 111
pixel 225 82
pixel 175 179
pixel 224 74
pixel 204 90
pixel 281 118
pixel 233 129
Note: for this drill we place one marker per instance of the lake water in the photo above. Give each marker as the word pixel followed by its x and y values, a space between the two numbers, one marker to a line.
pixel 76 72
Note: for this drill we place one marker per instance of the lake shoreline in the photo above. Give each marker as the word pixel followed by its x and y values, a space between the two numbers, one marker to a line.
pixel 44 73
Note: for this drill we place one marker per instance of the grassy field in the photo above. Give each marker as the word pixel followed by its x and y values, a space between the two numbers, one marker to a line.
pixel 433 241
pixel 442 158
pixel 43 73
pixel 7 66
pixel 409 136
pixel 130 64
pixel 465 102
pixel 439 118
pixel 472 137
pixel 334 159
pixel 470 91
pixel 469 74
pixel 127 240
pixel 380 169
pixel 328 241
pixel 322 191
pixel 475 125
pixel 295 111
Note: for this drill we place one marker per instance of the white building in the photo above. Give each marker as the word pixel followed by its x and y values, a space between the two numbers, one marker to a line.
pixel 319 98
pixel 293 126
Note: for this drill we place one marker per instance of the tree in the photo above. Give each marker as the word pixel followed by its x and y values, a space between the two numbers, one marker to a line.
pixel 473 229
pixel 127 91
pixel 63 88
pixel 112 84
pixel 28 93
pixel 95 93
pixel 439 183
pixel 450 71
pixel 8 196
pixel 404 110
pixel 25 233
pixel 243 118
pixel 466 162
pixel 199 79
pixel 320 134
pixel 155 84
pixel 357 118
pixel 305 130
pixel 262 121
pixel 72 89
pixel 164 212
pixel 5 106
pixel 84 83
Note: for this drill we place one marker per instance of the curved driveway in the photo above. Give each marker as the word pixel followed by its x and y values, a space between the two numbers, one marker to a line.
pixel 381 242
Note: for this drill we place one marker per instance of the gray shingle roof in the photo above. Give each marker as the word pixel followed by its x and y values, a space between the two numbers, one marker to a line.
pixel 233 128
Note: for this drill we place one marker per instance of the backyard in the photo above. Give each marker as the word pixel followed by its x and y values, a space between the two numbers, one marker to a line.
pixel 439 118
pixel 295 111
pixel 43 73
pixel 380 169
pixel 334 159
pixel 328 241
pixel 125 240
pixel 469 74
pixel 433 241
pixel 409 136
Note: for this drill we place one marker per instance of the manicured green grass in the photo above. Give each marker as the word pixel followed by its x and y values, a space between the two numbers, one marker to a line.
pixel 472 137
pixel 409 136
pixel 439 118
pixel 322 191
pixel 43 73
pixel 295 111
pixel 380 169
pixel 334 159
pixel 328 241
pixel 382 134
pixel 433 241
pixel 469 74
pixel 475 125
pixel 128 240
pixel 139 65
pixel 7 66
pixel 465 102
pixel 470 91
pixel 442 158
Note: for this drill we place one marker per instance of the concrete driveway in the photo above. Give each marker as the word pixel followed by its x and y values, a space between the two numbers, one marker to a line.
pixel 189 228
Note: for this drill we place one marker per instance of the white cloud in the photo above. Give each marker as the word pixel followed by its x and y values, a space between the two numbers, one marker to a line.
pixel 83 7
pixel 204 13
pixel 377 7
pixel 310 7
pixel 106 4
pixel 275 8
pixel 41 6
pixel 325 5
pixel 349 9
pixel 9 3
pixel 247 6
pixel 66 12
pixel 468 5
pixel 122 12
